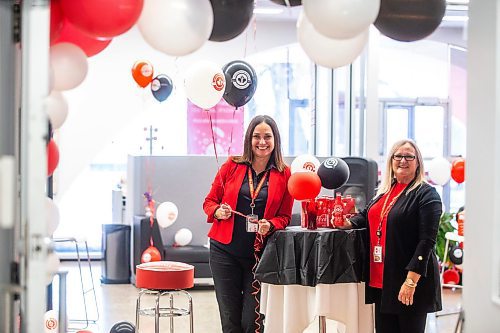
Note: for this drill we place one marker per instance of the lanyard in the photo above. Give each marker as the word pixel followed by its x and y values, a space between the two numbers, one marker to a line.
pixel 255 192
pixel 385 211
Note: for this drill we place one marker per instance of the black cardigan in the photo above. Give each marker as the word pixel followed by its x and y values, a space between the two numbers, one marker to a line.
pixel 412 226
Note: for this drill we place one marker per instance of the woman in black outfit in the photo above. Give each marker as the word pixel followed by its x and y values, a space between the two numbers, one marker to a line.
pixel 402 222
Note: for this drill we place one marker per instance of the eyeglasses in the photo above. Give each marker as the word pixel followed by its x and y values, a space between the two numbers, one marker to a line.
pixel 400 157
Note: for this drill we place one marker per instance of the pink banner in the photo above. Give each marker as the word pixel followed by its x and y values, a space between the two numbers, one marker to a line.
pixel 227 124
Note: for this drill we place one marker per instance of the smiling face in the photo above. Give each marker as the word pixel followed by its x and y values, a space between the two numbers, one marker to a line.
pixel 405 170
pixel 262 141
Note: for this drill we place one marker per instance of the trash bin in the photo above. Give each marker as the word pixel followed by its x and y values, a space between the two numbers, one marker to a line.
pixel 116 253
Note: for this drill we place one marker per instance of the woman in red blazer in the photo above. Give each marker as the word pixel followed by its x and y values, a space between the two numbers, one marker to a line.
pixel 247 201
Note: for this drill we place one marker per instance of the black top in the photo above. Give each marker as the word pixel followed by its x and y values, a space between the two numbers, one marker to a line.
pixel 242 241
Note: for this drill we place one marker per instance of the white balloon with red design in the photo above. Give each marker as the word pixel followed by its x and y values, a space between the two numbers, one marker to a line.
pixel 305 162
pixel 205 83
pixel 51 321
pixel 166 214
pixel 183 237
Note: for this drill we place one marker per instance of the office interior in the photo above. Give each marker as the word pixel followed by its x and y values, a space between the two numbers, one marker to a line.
pixel 440 91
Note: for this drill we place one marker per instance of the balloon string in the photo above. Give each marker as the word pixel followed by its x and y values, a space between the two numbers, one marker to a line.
pixel 231 136
pixel 256 286
pixel 215 150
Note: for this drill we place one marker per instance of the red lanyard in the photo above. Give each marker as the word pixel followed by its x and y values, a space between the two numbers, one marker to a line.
pixel 255 192
pixel 385 210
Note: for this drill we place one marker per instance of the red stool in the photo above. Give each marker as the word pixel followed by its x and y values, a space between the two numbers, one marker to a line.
pixel 162 278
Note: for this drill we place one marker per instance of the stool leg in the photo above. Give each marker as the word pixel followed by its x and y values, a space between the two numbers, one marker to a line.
pixel 171 313
pixel 191 326
pixel 137 309
pixel 157 313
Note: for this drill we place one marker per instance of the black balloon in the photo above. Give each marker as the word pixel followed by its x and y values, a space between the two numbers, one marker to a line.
pixel 231 17
pixel 456 255
pixel 409 20
pixel 292 2
pixel 123 327
pixel 161 87
pixel 241 82
pixel 333 172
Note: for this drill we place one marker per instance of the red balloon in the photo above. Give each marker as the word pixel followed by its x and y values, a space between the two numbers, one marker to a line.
pixel 151 254
pixel 304 185
pixel 56 20
pixel 142 72
pixel 90 45
pixel 458 170
pixel 100 18
pixel 451 276
pixel 52 157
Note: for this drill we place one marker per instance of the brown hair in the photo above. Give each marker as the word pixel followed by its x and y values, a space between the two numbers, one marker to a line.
pixel 276 156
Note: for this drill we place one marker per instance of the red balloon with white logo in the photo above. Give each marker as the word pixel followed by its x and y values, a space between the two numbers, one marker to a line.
pixel 151 254
pixel 142 72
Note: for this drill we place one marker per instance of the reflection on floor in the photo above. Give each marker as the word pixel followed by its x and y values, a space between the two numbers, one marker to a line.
pixel 116 303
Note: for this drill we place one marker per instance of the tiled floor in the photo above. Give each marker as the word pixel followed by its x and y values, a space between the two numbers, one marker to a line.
pixel 116 303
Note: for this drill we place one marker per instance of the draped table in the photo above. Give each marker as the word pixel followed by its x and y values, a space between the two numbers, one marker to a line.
pixel 308 273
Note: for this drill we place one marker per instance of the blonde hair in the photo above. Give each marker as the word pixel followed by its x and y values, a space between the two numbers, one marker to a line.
pixel 388 178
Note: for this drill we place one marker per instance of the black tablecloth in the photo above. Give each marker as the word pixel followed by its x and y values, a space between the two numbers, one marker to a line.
pixel 311 257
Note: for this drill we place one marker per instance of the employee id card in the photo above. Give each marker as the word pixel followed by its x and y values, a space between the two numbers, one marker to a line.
pixel 252 223
pixel 377 253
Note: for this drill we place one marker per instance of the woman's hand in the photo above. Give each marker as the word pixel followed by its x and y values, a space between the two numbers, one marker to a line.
pixel 223 212
pixel 264 227
pixel 406 294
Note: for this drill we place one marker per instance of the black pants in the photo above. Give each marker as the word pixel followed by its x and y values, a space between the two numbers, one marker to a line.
pixel 398 323
pixel 233 279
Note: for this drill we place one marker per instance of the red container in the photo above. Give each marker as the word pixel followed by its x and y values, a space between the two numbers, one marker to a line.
pixel 308 214
pixel 324 207
pixel 164 275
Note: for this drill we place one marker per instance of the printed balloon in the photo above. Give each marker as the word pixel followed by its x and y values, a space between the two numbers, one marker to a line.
pixel 241 83
pixel 161 87
pixel 151 254
pixel 458 170
pixel 333 172
pixel 142 72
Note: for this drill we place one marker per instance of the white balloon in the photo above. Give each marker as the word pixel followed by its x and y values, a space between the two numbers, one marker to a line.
pixel 51 321
pixel 53 263
pixel 183 237
pixel 51 216
pixel 439 170
pixel 57 108
pixel 205 83
pixel 70 66
pixel 176 27
pixel 166 214
pixel 341 19
pixel 306 161
pixel 327 52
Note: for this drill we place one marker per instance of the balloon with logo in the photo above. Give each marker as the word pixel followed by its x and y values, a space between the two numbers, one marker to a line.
pixel 166 214
pixel 305 162
pixel 333 172
pixel 183 237
pixel 122 327
pixel 205 84
pixel 150 254
pixel 439 170
pixel 304 185
pixel 161 87
pixel 51 321
pixel 241 83
pixel 458 170
pixel 142 72
pixel 288 2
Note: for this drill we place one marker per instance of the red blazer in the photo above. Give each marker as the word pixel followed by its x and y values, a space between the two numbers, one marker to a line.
pixel 279 203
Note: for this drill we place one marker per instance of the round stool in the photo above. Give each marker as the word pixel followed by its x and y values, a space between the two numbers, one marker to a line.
pixel 161 278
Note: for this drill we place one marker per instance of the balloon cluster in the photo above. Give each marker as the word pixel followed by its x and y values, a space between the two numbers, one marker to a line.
pixel 161 85
pixel 309 175
pixel 440 170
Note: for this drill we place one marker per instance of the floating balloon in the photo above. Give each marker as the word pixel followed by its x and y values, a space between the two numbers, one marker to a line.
pixel 341 19
pixel 52 157
pixel 69 64
pixel 288 2
pixel 166 214
pixel 183 237
pixel 123 327
pixel 241 83
pixel 205 84
pixel 150 254
pixel 53 264
pixel 142 72
pixel 176 27
pixel 439 170
pixel 51 321
pixel 161 87
pixel 456 255
pixel 458 170
pixel 304 185
pixel 231 17
pixel 56 108
pixel 451 276
pixel 409 20
pixel 333 172
pixel 102 18
pixel 52 216
pixel 90 45
pixel 328 52
pixel 305 162
pixel 56 20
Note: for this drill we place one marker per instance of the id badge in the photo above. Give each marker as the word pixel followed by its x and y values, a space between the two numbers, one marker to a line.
pixel 252 223
pixel 377 253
